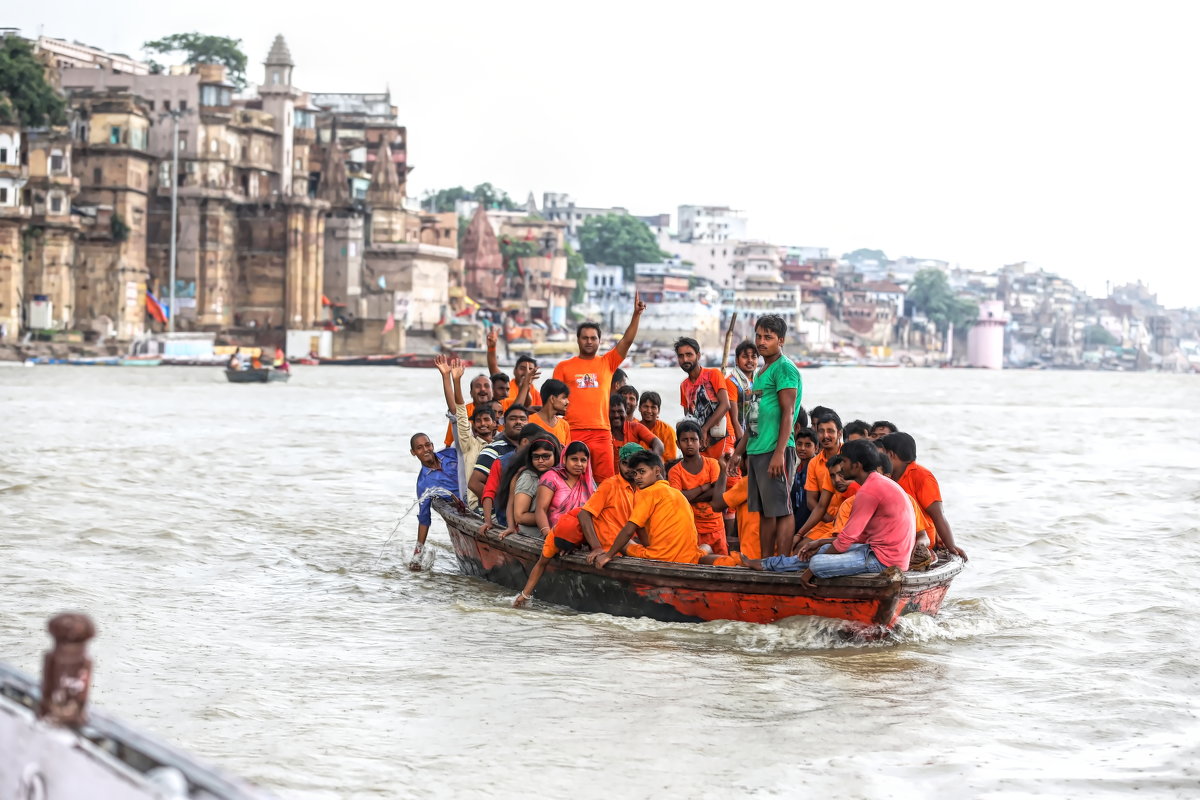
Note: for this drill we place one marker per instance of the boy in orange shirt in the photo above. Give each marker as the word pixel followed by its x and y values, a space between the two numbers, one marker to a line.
pixel 697 476
pixel 650 406
pixel 737 498
pixel 663 512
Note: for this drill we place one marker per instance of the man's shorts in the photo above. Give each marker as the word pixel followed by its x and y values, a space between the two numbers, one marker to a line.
pixel 771 497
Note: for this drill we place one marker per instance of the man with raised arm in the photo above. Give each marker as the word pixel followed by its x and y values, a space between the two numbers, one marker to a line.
pixel 471 434
pixel 589 377
pixel 526 365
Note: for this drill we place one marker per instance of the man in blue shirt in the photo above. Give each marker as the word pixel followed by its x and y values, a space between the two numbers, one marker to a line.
pixel 439 470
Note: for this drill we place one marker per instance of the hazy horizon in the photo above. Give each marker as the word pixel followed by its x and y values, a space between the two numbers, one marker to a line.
pixel 1063 135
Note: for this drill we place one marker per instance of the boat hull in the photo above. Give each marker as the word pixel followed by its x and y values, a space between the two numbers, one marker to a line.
pixel 631 587
pixel 256 376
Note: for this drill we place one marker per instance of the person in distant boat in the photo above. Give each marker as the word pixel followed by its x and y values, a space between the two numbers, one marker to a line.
pixel 514 420
pixel 597 523
pixel 626 430
pixel 858 429
pixel 879 534
pixel 882 428
pixel 651 405
pixel 471 435
pixel 590 377
pixel 556 399
pixel 439 471
pixel 481 394
pixel 526 365
pixel 918 481
pixel 704 396
pixel 696 475
pixel 663 514
pixel 255 362
pixel 235 363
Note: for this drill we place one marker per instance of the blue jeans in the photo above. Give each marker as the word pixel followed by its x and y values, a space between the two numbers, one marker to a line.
pixel 825 564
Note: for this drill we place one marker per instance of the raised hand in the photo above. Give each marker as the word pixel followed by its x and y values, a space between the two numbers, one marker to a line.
pixel 493 336
pixel 638 305
pixel 457 368
pixel 442 363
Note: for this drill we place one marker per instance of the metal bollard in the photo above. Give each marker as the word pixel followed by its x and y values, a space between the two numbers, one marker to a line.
pixel 67 671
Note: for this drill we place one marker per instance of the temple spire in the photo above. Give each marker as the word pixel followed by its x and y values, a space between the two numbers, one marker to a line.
pixel 385 190
pixel 335 182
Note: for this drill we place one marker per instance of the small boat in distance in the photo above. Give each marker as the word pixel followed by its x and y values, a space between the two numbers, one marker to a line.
pixel 671 592
pixel 262 375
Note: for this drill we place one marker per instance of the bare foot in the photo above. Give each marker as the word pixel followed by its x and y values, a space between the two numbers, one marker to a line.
pixel 751 563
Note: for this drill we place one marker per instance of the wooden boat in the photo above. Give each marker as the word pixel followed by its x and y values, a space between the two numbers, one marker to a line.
pixel 141 361
pixel 360 361
pixel 263 375
pixel 634 587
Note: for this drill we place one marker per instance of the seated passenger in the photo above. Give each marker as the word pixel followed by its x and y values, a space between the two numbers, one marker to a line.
pixel 472 435
pixel 598 522
pixel 879 534
pixel 519 484
pixel 806 449
pixel 664 514
pixel 881 429
pixel 922 557
pixel 737 498
pixel 619 379
pixel 500 384
pixel 858 429
pixel 650 406
pixel 487 499
pixel 515 420
pixel 625 430
pixel 915 479
pixel 630 396
pixel 696 476
pixel 556 398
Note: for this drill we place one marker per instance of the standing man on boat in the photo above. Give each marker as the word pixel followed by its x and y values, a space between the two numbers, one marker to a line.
pixel 439 471
pixel 919 482
pixel 589 377
pixel 704 396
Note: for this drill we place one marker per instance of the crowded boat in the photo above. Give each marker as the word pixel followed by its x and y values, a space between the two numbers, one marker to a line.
pixel 749 479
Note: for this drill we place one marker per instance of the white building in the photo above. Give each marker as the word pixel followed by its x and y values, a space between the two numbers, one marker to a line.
pixel 76 55
pixel 710 224
pixel 711 261
pixel 12 175
pixel 559 207
pixel 755 261
pixel 604 279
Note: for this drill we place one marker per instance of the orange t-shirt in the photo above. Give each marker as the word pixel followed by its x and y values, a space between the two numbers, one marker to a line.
pixel 749 543
pixel 535 399
pixel 560 429
pixel 920 484
pixel 666 435
pixel 634 432
pixel 610 508
pixel 819 480
pixel 590 382
pixel 707 520
pixel 667 517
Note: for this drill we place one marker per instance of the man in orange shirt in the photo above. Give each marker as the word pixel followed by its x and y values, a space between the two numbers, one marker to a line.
pixel 550 415
pixel 696 476
pixel 664 514
pixel 625 430
pixel 481 392
pixel 526 365
pixel 704 395
pixel 597 522
pixel 650 406
pixel 919 482
pixel 822 499
pixel 589 377
pixel 738 498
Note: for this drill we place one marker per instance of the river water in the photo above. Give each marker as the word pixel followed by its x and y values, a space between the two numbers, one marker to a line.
pixel 229 541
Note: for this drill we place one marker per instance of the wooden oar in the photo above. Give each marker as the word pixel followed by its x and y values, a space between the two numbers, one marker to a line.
pixel 728 344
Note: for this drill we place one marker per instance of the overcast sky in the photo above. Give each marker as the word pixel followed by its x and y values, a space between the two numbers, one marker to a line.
pixel 1060 133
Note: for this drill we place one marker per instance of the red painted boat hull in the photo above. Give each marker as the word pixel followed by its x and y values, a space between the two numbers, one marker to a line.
pixel 634 587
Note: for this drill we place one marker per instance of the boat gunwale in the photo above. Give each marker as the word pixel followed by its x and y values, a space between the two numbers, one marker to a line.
pixel 702 577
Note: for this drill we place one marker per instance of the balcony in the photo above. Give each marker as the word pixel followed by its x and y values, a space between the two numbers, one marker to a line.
pixel 14 171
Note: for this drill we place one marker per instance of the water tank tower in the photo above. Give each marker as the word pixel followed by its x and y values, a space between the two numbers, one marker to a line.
pixel 985 341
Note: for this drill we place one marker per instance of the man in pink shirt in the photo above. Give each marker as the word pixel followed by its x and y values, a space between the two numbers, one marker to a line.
pixel 880 533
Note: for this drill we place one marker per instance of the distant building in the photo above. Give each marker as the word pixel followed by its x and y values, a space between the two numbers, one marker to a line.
pixel 985 340
pixel 62 54
pixel 559 207
pixel 712 224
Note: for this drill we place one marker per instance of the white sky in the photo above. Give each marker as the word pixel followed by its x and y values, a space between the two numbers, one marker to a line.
pixel 1065 134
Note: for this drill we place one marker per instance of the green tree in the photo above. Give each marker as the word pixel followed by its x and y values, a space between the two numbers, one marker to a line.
pixel 512 249
pixel 491 197
pixel 577 271
pixel 443 200
pixel 31 100
pixel 931 294
pixel 1098 336
pixel 202 48
pixel 618 239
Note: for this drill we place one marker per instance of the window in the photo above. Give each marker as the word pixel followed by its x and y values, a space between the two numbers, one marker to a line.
pixel 151 105
pixel 166 105
pixel 56 203
pixel 183 105
pixel 3 155
pixel 56 162
pixel 97 176
pixel 114 135
pixel 3 195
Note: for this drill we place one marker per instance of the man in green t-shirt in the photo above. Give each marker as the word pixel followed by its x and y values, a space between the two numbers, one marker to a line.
pixel 768 441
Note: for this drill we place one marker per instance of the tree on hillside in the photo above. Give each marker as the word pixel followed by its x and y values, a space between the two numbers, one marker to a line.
pixel 618 239
pixel 865 254
pixel 443 200
pixel 202 48
pixel 26 97
pixel 931 294
pixel 491 197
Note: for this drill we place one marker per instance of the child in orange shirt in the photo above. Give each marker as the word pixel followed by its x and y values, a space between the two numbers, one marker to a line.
pixel 696 476
pixel 650 405
pixel 664 514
